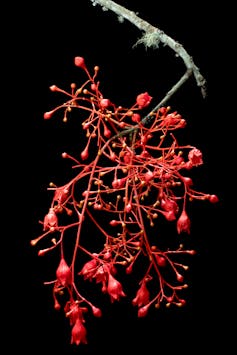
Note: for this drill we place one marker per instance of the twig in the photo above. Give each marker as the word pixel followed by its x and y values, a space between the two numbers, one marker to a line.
pixel 152 36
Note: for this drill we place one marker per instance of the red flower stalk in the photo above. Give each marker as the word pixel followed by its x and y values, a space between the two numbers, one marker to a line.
pixel 128 177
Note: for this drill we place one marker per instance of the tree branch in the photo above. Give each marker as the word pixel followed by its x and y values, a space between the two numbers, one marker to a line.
pixel 152 36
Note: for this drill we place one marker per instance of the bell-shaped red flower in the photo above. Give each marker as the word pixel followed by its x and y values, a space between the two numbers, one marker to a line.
pixel 183 223
pixel 114 289
pixel 89 269
pixel 50 220
pixel 142 296
pixel 74 312
pixel 63 273
pixel 78 334
pixel 169 205
pixel 61 194
pixel 142 312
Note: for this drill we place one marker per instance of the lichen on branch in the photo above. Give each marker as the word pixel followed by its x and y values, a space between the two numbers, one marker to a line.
pixel 152 36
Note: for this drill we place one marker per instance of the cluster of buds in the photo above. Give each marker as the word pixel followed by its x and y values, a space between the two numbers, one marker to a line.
pixel 130 175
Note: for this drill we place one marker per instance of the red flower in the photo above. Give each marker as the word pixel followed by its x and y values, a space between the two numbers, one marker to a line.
pixel 61 194
pixel 195 157
pixel 143 100
pixel 142 312
pixel 183 223
pixel 128 173
pixel 79 333
pixel 114 289
pixel 63 273
pixel 101 274
pixel 169 205
pixel 74 312
pixel 89 269
pixel 142 296
pixel 174 119
pixel 50 220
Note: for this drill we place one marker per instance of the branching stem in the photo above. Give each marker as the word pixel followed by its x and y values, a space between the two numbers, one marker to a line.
pixel 152 36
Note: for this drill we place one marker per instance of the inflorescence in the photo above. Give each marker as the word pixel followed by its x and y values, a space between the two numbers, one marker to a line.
pixel 130 175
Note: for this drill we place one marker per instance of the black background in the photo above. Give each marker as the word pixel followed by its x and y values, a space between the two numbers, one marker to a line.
pixel 46 38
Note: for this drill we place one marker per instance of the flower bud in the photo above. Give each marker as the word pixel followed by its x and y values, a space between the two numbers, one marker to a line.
pixel 143 100
pixel 85 154
pixel 136 117
pixel 48 115
pixel 187 181
pixel 96 311
pixel 161 261
pixel 54 88
pixel 104 103
pixel 179 277
pixel 114 223
pixel 107 132
pixel 79 62
pixel 148 175
pixel 213 198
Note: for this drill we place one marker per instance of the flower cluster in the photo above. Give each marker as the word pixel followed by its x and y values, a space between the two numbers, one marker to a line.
pixel 131 174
